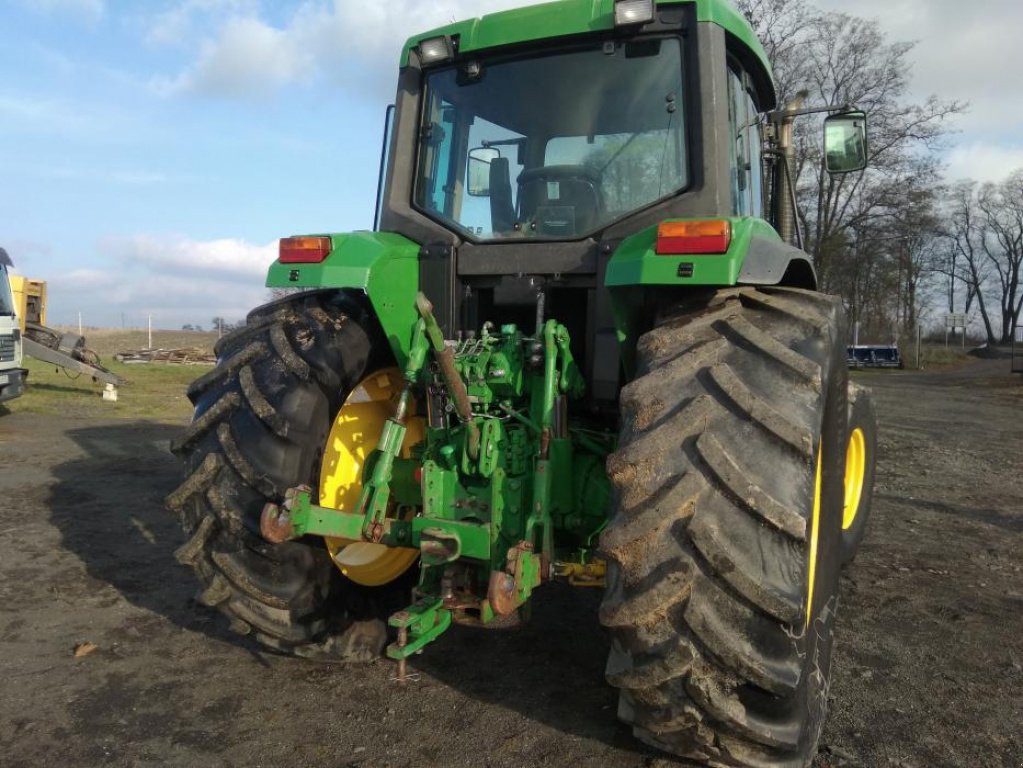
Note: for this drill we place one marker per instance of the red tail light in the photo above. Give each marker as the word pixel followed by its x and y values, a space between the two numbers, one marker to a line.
pixel 675 238
pixel 304 250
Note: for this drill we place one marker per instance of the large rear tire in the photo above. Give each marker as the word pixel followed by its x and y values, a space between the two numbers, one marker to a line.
pixel 724 546
pixel 261 420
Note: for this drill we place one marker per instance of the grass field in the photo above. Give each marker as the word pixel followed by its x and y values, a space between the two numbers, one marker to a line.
pixel 153 392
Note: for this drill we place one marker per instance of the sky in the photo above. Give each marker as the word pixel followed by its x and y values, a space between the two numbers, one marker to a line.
pixel 152 153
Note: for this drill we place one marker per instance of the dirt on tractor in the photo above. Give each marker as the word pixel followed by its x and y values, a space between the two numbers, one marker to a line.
pixel 105 660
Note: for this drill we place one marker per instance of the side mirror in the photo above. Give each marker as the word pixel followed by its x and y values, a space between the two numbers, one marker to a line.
pixel 845 142
pixel 478 171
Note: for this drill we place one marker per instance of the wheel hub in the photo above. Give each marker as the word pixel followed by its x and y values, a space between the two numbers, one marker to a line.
pixel 353 438
pixel 855 471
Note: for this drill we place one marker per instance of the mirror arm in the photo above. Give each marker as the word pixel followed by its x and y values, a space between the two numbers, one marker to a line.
pixel 780 115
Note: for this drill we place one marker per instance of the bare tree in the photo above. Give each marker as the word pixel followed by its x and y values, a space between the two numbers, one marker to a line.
pixel 783 27
pixel 1001 208
pixel 869 225
pixel 850 63
pixel 965 260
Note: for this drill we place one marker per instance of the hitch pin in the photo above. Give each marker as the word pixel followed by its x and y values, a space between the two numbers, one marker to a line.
pixel 402 662
pixel 403 676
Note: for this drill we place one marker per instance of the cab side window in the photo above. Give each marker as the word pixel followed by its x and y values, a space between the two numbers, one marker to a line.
pixel 745 148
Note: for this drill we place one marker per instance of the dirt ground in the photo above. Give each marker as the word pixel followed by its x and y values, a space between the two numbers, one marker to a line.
pixel 928 668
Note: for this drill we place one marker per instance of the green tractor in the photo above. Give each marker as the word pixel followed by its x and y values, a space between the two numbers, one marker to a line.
pixel 578 345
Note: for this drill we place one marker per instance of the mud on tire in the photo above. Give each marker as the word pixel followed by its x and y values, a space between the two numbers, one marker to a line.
pixel 717 657
pixel 260 422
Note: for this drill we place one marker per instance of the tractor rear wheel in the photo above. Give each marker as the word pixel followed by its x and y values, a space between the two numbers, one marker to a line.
pixel 261 425
pixel 724 547
pixel 860 464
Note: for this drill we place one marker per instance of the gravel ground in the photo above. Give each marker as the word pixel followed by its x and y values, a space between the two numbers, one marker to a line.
pixel 928 668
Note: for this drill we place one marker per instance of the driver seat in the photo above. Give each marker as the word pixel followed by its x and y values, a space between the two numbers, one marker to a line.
pixel 502 208
pixel 561 200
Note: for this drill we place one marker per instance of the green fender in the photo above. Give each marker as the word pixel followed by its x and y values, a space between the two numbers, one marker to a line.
pixel 756 256
pixel 382 265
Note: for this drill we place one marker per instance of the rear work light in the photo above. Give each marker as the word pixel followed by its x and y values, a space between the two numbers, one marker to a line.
pixel 436 49
pixel 304 250
pixel 677 238
pixel 629 12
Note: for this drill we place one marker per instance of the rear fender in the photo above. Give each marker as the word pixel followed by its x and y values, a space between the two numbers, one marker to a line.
pixel 640 280
pixel 380 270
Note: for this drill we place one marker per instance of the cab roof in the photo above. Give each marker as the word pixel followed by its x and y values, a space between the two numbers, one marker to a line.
pixel 572 17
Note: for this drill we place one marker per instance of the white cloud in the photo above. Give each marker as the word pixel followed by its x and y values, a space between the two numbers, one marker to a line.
pixel 353 44
pixel 174 256
pixel 178 23
pixel 983 161
pixel 84 280
pixel 250 58
pixel 175 279
pixel 108 298
pixel 91 10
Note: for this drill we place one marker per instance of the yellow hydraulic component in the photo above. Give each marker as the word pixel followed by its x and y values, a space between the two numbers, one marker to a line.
pixel 592 574
pixel 353 437
pixel 814 534
pixel 855 469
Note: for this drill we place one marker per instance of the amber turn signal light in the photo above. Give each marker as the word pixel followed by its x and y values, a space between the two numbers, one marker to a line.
pixel 675 238
pixel 304 250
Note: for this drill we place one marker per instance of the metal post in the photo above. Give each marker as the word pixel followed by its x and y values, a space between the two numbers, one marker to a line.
pixel 150 332
pixel 919 331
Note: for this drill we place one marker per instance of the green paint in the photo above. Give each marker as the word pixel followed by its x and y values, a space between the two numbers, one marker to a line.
pixel 636 264
pixel 574 17
pixel 424 622
pixel 382 264
pixel 528 497
pixel 311 519
pixel 635 261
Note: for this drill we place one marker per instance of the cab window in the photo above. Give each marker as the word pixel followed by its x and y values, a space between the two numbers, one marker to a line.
pixel 745 159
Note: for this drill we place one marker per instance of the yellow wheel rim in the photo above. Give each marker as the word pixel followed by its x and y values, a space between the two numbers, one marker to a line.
pixel 353 437
pixel 855 468
pixel 815 522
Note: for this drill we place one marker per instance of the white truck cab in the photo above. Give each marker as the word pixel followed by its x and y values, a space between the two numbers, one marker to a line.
pixel 12 375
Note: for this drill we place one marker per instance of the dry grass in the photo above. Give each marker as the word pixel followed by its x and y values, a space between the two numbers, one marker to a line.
pixel 151 391
pixel 938 357
pixel 108 341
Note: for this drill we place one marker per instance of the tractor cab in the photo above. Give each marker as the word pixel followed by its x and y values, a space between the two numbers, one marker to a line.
pixel 577 122
pixel 534 155
pixel 552 145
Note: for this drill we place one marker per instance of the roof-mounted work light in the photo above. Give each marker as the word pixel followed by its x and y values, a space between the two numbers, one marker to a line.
pixel 435 49
pixel 630 12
